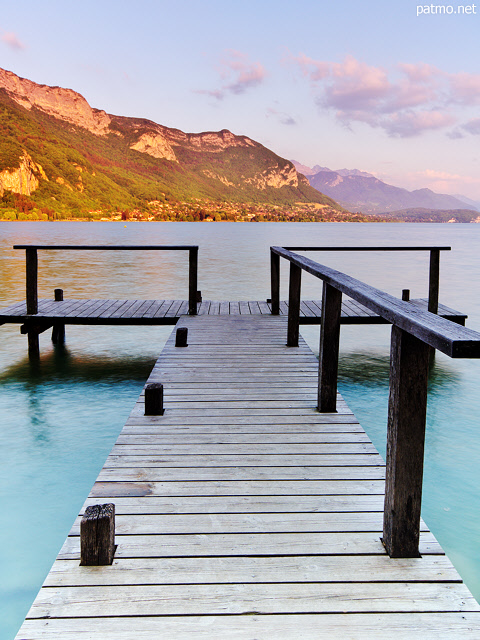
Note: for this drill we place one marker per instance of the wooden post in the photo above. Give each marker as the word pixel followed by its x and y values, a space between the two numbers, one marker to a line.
pixel 275 282
pixel 31 281
pixel 407 409
pixel 434 280
pixel 154 399
pixel 181 336
pixel 294 305
pixel 97 535
pixel 58 330
pixel 329 347
pixel 406 295
pixel 192 280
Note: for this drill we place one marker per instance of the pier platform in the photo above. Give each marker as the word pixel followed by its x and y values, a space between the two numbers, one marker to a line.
pixel 244 513
pixel 152 312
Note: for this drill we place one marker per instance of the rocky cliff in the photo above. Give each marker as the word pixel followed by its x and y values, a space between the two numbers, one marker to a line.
pixel 23 180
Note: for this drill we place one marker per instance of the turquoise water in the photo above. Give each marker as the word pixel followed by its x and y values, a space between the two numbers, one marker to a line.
pixel 59 418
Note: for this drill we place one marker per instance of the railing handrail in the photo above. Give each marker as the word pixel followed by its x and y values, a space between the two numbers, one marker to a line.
pixel 110 247
pixel 32 266
pixel 326 248
pixel 446 336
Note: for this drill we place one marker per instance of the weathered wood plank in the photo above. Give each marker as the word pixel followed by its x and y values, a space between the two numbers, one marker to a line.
pixel 400 626
pixel 245 569
pixel 237 599
pixel 249 544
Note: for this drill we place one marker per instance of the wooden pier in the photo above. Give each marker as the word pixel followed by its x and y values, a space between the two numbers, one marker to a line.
pixel 250 504
pixel 243 512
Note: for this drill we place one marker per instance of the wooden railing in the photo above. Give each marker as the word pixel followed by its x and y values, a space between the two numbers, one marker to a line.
pixel 32 266
pixel 414 332
pixel 433 279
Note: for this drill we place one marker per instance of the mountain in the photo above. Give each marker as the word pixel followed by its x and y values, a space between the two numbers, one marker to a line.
pixel 60 154
pixel 360 191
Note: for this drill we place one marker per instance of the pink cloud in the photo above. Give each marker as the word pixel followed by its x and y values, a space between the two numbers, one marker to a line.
pixel 465 88
pixel 237 75
pixel 404 101
pixel 12 41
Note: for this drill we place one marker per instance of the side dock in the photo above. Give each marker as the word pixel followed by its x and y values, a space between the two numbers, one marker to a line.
pixel 243 512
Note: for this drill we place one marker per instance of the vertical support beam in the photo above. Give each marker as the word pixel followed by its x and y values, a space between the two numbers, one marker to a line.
pixel 275 282
pixel 434 280
pixel 329 347
pixel 192 280
pixel 294 305
pixel 31 281
pixel 33 345
pixel 407 409
pixel 58 330
pixel 97 535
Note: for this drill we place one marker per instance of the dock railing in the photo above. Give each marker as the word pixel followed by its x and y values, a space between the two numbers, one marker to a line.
pixel 433 278
pixel 31 253
pixel 414 332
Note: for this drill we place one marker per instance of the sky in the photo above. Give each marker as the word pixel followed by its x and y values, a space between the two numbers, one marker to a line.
pixel 392 88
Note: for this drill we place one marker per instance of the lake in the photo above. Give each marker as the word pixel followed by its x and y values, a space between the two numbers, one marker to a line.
pixel 61 416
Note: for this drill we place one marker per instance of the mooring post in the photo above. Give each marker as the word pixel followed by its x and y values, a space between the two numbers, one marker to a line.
pixel 275 282
pixel 58 330
pixel 154 399
pixel 97 535
pixel 192 280
pixel 406 295
pixel 329 347
pixel 294 305
pixel 181 336
pixel 407 410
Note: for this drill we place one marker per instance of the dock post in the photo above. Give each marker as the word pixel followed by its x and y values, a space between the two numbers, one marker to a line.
pixel 294 305
pixel 58 330
pixel 434 281
pixel 97 535
pixel 329 347
pixel 154 399
pixel 407 410
pixel 181 336
pixel 192 280
pixel 406 295
pixel 31 259
pixel 275 282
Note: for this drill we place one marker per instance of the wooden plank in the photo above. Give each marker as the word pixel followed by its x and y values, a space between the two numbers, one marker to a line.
pixel 224 308
pixel 245 570
pixel 243 504
pixel 171 600
pixel 239 449
pixel 238 488
pixel 225 460
pixel 252 439
pixel 269 473
pixel 248 544
pixel 244 308
pixel 365 626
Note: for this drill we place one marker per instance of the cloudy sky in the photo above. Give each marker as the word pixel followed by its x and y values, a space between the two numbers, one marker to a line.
pixel 390 88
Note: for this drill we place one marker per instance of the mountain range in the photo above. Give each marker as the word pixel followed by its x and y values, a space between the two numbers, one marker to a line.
pixel 63 155
pixel 361 191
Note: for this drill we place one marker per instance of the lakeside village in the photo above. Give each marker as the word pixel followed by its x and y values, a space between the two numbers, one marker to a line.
pixel 193 211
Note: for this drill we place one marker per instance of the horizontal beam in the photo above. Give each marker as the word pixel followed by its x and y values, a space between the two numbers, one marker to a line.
pixel 108 247
pixel 367 248
pixel 450 338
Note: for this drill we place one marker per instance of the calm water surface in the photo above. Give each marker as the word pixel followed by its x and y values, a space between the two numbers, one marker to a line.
pixel 60 418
